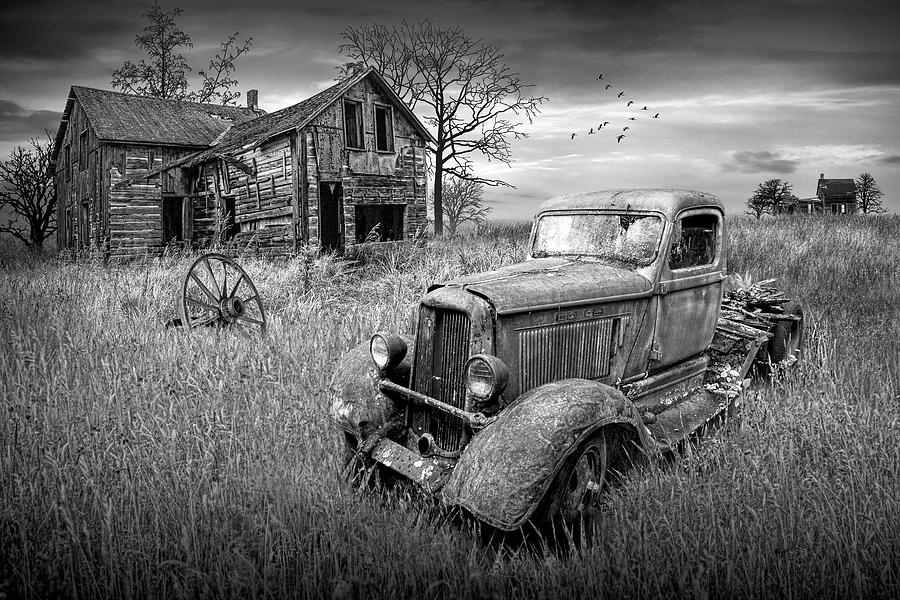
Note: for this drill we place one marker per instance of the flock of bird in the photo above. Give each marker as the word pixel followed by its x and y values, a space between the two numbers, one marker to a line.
pixel 621 136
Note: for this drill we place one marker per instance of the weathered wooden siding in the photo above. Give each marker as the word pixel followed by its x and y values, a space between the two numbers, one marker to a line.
pixel 134 225
pixel 78 187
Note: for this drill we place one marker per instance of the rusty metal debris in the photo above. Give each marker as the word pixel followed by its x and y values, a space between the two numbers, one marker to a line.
pixel 216 292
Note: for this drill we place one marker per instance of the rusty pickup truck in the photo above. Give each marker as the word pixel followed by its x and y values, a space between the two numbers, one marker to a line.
pixel 525 388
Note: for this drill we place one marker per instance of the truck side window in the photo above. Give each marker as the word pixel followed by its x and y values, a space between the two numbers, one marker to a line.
pixel 694 242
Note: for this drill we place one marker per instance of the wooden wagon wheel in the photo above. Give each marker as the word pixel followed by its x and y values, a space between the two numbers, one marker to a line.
pixel 216 292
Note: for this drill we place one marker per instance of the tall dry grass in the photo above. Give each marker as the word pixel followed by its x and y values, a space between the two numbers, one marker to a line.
pixel 137 461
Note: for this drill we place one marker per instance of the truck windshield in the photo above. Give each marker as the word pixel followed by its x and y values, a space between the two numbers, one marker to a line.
pixel 623 240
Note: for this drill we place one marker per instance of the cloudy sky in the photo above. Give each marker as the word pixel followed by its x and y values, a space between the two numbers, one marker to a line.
pixel 745 90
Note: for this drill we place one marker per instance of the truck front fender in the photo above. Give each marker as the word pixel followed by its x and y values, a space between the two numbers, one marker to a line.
pixel 507 468
pixel 357 405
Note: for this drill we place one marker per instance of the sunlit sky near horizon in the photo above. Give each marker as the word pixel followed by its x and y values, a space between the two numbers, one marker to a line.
pixel 745 91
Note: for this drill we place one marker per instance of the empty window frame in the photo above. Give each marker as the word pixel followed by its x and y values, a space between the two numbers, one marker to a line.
pixel 353 125
pixel 83 150
pixel 694 242
pixel 68 165
pixel 384 128
pixel 379 222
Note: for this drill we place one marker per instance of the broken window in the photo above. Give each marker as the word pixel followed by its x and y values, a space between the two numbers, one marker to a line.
pixel 82 150
pixel 694 242
pixel 353 124
pixel 379 222
pixel 622 240
pixel 384 129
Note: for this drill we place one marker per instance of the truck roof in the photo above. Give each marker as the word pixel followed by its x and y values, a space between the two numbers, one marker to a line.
pixel 667 201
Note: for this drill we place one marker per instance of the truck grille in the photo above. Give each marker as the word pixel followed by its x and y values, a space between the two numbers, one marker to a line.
pixel 583 350
pixel 442 349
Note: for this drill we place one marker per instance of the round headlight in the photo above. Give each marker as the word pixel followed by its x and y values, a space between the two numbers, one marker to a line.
pixel 486 376
pixel 387 350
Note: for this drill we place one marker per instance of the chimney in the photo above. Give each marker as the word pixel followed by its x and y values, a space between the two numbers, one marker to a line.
pixel 253 99
pixel 821 175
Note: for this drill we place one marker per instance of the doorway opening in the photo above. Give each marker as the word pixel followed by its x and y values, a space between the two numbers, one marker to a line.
pixel 331 223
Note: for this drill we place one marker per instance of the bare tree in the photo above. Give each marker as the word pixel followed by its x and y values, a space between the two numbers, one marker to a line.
pixel 463 202
pixel 217 80
pixel 768 196
pixel 27 193
pixel 165 75
pixel 868 194
pixel 476 103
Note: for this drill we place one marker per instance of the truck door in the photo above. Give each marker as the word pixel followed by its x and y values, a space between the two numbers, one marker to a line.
pixel 690 287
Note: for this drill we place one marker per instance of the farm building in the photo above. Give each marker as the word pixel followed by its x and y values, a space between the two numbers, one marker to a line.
pixel 833 196
pixel 105 136
pixel 344 166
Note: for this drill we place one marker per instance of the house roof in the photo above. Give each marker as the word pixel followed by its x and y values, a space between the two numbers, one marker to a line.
pixel 118 117
pixel 259 130
pixel 836 189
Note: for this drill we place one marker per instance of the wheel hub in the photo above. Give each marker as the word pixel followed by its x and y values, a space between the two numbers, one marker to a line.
pixel 231 308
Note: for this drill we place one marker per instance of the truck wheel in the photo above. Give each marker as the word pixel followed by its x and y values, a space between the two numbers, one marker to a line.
pixel 577 487
pixel 787 336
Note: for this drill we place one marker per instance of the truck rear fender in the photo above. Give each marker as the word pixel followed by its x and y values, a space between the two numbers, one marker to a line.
pixel 507 468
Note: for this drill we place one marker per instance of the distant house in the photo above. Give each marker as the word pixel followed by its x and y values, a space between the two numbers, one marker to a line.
pixel 340 168
pixel 833 196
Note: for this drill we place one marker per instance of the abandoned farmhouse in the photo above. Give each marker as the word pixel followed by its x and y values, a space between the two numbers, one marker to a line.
pixel 134 174
pixel 833 196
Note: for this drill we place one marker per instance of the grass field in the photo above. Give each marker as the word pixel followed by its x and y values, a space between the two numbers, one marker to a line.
pixel 137 461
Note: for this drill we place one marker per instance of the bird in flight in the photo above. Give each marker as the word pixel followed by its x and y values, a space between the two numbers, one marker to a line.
pixel 630 102
pixel 626 129
pixel 573 136
pixel 656 116
pixel 606 122
pixel 600 126
pixel 631 118
pixel 608 85
pixel 645 108
pixel 600 77
pixel 591 132
pixel 619 138
pixel 620 94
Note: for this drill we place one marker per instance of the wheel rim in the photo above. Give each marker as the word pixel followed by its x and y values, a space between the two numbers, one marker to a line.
pixel 586 480
pixel 216 292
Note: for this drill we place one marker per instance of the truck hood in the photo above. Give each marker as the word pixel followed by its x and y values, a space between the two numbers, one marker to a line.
pixel 543 283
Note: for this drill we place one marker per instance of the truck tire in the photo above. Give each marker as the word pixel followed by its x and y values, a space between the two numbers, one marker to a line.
pixel 787 335
pixel 575 489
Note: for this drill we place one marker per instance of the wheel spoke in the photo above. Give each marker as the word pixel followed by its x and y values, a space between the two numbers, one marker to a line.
pixel 236 284
pixel 196 302
pixel 203 287
pixel 203 321
pixel 249 320
pixel 215 283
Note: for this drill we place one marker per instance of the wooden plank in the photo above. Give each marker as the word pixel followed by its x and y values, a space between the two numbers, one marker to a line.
pixel 280 211
pixel 299 174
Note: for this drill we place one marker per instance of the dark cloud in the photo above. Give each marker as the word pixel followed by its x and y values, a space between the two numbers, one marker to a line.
pixel 747 161
pixel 891 160
pixel 18 123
